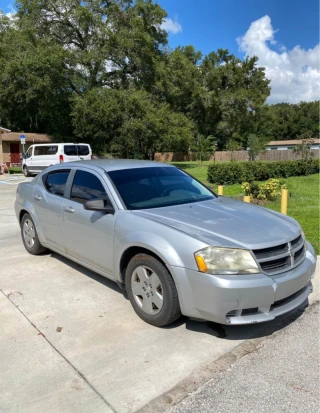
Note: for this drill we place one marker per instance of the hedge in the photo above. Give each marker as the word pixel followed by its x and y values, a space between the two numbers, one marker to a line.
pixel 238 172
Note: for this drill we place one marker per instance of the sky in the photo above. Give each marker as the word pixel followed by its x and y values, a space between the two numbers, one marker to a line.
pixel 283 34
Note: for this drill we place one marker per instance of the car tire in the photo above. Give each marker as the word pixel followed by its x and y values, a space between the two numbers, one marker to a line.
pixel 26 172
pixel 30 237
pixel 152 291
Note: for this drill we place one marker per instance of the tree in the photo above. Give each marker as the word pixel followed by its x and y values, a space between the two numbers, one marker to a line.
pixel 34 94
pixel 256 145
pixel 105 43
pixel 130 123
pixel 232 147
pixel 285 121
pixel 204 147
pixel 304 151
pixel 232 92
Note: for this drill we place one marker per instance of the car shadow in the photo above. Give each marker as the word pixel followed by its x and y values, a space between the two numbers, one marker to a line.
pixel 91 274
pixel 225 332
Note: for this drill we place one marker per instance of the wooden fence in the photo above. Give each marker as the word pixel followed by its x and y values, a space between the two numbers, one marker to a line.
pixel 224 156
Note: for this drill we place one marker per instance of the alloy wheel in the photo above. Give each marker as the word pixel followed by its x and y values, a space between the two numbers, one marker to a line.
pixel 29 233
pixel 147 290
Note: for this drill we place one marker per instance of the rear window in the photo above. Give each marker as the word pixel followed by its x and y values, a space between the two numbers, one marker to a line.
pixel 76 150
pixel 45 150
pixel 56 182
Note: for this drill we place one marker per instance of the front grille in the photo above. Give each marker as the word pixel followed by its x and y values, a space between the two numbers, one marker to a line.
pixel 280 258
pixel 280 263
pixel 271 252
pixel 296 242
pixel 233 313
pixel 298 254
pixel 250 311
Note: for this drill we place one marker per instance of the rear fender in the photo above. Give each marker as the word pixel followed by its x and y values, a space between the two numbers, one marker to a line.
pixel 29 208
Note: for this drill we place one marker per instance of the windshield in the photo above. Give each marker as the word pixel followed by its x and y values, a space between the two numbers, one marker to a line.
pixel 156 187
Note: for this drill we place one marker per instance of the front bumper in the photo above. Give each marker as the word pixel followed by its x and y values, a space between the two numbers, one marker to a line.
pixel 244 299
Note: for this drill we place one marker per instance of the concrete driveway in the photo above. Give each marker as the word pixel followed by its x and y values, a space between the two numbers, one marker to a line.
pixel 70 341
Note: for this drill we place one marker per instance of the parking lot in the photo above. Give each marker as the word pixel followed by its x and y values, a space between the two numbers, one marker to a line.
pixel 71 342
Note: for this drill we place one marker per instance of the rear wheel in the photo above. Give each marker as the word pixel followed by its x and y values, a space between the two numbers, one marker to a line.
pixel 26 172
pixel 152 291
pixel 30 237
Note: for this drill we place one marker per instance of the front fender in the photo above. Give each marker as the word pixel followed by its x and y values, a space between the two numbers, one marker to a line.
pixel 173 247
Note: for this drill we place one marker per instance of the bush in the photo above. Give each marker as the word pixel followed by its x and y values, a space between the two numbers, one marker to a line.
pixel 238 172
pixel 265 191
pixel 14 170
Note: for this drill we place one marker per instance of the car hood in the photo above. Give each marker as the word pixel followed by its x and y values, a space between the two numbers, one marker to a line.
pixel 227 222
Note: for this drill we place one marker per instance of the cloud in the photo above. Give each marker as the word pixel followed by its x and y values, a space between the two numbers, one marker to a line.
pixel 294 74
pixel 171 26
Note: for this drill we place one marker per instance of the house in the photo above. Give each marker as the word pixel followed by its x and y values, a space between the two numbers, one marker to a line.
pixel 284 145
pixel 11 148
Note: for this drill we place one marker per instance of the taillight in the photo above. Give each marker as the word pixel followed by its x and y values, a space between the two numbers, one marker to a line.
pixel 91 156
pixel 61 158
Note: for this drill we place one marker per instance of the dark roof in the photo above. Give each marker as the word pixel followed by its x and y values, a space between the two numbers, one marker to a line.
pixel 30 137
pixel 290 142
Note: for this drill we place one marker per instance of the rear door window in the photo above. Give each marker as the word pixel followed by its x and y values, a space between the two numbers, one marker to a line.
pixel 56 182
pixel 83 150
pixel 87 186
pixel 70 150
pixel 76 150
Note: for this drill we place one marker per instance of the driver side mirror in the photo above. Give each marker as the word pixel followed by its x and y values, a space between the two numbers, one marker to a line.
pixel 98 205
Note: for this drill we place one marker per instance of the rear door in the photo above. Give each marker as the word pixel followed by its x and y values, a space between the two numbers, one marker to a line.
pixel 77 152
pixel 88 235
pixel 48 202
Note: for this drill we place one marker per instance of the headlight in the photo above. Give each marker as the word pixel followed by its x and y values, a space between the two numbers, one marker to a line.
pixel 215 260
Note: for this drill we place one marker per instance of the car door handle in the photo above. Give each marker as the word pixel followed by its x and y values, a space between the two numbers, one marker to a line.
pixel 69 209
pixel 37 197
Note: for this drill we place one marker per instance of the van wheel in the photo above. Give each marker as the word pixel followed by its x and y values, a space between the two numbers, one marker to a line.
pixel 30 237
pixel 26 172
pixel 152 291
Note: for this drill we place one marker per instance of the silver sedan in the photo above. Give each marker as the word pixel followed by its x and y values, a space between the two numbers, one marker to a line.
pixel 169 241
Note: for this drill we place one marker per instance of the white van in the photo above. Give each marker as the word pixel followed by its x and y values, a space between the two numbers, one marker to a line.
pixel 39 157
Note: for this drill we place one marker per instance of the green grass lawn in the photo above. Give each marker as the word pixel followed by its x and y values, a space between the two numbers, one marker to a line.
pixel 303 203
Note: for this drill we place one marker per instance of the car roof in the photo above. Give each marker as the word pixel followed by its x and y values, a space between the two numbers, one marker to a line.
pixel 117 164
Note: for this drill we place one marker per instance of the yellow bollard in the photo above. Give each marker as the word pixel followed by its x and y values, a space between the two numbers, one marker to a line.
pixel 246 198
pixel 284 201
pixel 220 190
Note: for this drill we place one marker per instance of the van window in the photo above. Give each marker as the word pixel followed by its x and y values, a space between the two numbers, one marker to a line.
pixel 56 182
pixel 29 152
pixel 45 150
pixel 76 150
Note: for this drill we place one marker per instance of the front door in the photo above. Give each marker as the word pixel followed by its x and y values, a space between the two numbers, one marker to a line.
pixel 15 152
pixel 88 235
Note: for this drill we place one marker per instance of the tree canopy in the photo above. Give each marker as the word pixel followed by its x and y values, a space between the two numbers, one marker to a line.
pixel 102 71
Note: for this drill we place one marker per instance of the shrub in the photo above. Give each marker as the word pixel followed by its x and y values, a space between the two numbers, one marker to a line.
pixel 265 191
pixel 270 189
pixel 238 172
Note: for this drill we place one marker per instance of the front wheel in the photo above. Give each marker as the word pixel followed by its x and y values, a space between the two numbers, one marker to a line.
pixel 26 172
pixel 30 237
pixel 152 291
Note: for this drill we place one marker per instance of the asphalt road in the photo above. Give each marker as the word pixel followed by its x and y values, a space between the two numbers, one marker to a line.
pixel 283 375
